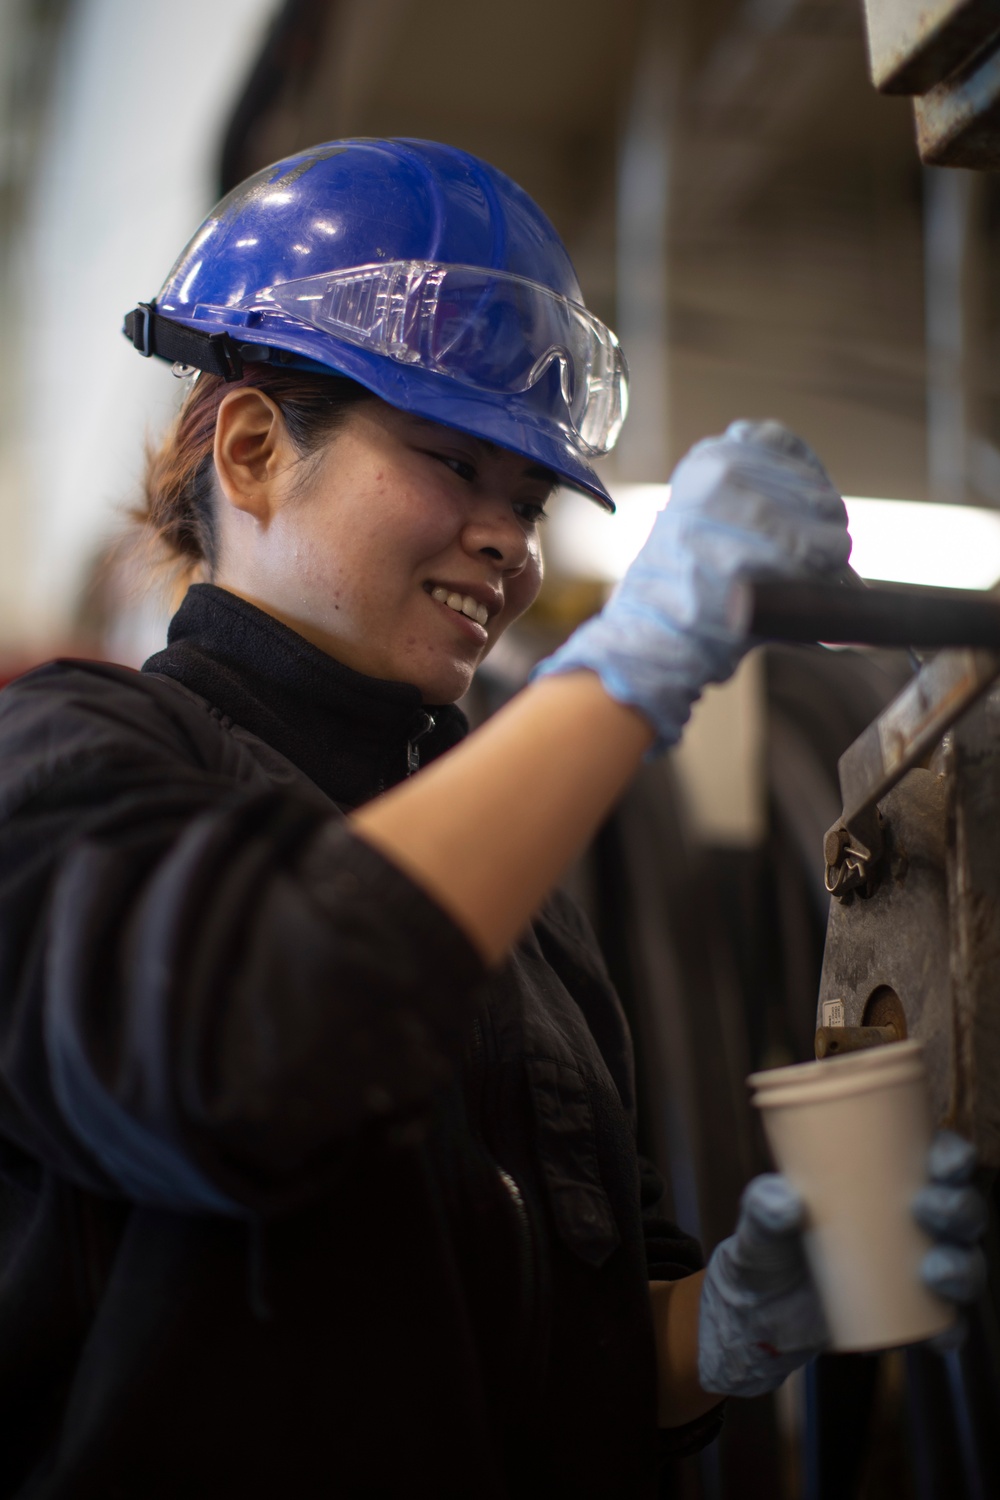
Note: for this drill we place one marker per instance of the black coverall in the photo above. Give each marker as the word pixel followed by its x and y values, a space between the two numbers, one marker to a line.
pixel 296 1197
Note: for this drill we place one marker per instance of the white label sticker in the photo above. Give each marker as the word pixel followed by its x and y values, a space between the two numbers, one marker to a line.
pixel 833 1012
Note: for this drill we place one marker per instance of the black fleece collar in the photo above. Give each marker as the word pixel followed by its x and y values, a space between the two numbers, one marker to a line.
pixel 352 735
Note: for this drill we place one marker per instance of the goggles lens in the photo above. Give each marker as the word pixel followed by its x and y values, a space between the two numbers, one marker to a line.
pixel 487 329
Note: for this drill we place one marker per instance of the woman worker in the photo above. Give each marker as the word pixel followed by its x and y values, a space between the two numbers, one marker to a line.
pixel 316 1115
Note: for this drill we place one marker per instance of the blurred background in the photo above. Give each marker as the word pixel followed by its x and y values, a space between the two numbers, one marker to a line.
pixel 753 220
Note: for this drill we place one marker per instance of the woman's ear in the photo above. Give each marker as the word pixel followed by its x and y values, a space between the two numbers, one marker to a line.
pixel 252 449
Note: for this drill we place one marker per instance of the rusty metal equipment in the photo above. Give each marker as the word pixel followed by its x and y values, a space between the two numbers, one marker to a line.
pixel 913 936
pixel 913 949
pixel 947 54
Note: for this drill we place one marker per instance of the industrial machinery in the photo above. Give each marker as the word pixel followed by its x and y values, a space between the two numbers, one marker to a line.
pixel 914 928
pixel 913 950
pixel 914 931
pixel 913 936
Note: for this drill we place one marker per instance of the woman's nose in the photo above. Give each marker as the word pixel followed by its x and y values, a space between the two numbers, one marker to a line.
pixel 500 537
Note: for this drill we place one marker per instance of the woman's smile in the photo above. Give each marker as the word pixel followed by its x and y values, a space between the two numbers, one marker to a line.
pixel 467 602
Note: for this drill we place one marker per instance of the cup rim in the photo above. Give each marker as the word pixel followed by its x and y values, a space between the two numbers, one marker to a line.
pixel 869 1059
pixel 822 1090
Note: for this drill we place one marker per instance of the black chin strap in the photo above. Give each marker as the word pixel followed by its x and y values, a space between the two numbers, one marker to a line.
pixel 215 353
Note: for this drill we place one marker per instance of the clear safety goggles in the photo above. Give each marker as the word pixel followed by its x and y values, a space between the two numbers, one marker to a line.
pixel 490 330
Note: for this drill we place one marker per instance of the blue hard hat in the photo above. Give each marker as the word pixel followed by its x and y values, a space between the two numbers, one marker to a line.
pixel 415 269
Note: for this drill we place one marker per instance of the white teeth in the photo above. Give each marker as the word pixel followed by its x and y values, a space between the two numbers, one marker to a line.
pixel 463 604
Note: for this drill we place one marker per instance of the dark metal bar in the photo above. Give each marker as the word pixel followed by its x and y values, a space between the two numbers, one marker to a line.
pixel 879 615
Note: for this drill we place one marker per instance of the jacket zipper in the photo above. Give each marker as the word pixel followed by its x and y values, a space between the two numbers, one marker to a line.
pixel 413 743
pixel 527 1268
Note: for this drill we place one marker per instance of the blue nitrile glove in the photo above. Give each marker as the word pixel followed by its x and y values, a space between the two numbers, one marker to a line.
pixel 954 1213
pixel 760 1312
pixel 754 503
pixel 761 1316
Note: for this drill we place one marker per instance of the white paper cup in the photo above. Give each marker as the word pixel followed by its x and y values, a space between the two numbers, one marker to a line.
pixel 851 1134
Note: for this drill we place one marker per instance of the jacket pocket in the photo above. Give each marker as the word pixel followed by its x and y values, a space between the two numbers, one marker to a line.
pixel 568 1158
